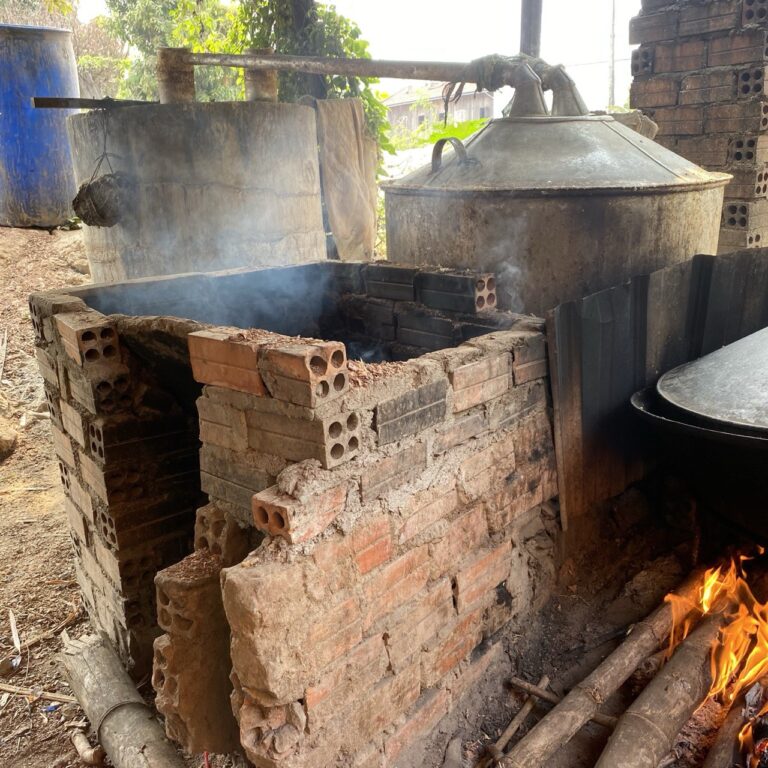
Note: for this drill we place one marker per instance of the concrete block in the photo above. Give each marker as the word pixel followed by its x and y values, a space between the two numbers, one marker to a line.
pixel 480 381
pixel 88 337
pixel 393 471
pixel 279 514
pixel 654 27
pixel 385 281
pixel 411 412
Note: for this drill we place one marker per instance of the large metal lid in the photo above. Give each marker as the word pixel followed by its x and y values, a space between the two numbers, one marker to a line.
pixel 729 386
pixel 539 156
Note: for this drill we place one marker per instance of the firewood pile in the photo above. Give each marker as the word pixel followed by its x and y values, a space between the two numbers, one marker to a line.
pixel 707 644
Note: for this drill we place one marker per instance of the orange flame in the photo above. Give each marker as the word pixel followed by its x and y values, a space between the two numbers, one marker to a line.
pixel 739 655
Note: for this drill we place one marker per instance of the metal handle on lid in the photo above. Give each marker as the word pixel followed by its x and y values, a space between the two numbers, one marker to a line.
pixel 458 148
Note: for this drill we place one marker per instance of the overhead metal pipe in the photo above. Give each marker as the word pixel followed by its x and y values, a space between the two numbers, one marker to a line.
pixel 530 27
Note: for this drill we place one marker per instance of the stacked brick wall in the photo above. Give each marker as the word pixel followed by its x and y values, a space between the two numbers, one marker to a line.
pixel 128 462
pixel 699 72
pixel 372 603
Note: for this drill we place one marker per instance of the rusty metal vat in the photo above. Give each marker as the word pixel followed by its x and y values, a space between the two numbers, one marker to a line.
pixel 560 205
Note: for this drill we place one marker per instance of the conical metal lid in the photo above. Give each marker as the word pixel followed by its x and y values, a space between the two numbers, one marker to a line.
pixel 538 156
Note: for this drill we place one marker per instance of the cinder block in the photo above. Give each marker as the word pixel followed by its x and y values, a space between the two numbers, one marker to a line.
pixel 385 281
pixel 88 337
pixel 73 423
pixel 721 16
pixel 393 471
pixel 305 374
pixel 748 47
pixel 678 121
pixel 333 440
pixel 739 117
pixel 480 381
pixel 411 412
pixel 654 27
pixel 279 514
pixel 452 292
pixel 656 91
pixel 707 87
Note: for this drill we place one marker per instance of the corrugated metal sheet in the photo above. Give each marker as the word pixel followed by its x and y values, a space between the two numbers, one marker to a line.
pixel 606 346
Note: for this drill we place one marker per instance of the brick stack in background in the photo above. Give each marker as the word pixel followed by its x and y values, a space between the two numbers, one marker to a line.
pixel 400 506
pixel 700 74
pixel 128 464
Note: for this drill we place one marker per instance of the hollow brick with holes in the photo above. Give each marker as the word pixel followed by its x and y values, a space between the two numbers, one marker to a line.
pixel 217 531
pixel 88 337
pixel 279 514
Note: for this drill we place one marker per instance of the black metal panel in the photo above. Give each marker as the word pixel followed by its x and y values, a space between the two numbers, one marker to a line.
pixel 605 347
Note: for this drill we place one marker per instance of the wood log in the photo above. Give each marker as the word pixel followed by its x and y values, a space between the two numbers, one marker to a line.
pixel 585 699
pixel 725 750
pixel 648 728
pixel 125 726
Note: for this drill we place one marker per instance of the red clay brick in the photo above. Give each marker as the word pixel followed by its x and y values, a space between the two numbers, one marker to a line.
pixel 420 720
pixel 395 584
pixel 529 371
pixel 459 431
pixel 374 555
pixel 228 376
pixel 469 677
pixel 450 651
pixel 427 508
pixel 476 582
pixel 393 471
pixel 63 446
pixel 462 537
pixel 72 422
pixel 480 381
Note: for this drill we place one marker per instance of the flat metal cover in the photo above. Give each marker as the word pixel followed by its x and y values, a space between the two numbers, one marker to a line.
pixel 729 386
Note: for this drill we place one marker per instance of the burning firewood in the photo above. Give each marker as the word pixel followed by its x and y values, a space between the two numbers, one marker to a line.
pixel 646 731
pixel 576 709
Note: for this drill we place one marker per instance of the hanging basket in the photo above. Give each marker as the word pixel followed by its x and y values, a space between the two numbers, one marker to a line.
pixel 100 202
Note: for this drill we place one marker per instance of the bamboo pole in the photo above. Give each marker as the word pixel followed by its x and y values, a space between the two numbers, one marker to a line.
pixel 585 699
pixel 61 698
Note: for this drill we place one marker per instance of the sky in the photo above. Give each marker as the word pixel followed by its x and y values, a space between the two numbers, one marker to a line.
pixel 575 33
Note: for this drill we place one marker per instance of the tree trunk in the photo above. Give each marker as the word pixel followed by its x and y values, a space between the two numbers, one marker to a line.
pixel 125 726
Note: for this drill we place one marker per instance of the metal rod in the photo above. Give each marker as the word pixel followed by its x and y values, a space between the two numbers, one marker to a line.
pixel 530 27
pixel 57 102
pixel 448 71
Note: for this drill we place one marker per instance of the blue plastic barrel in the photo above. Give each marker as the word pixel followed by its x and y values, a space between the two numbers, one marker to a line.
pixel 36 177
